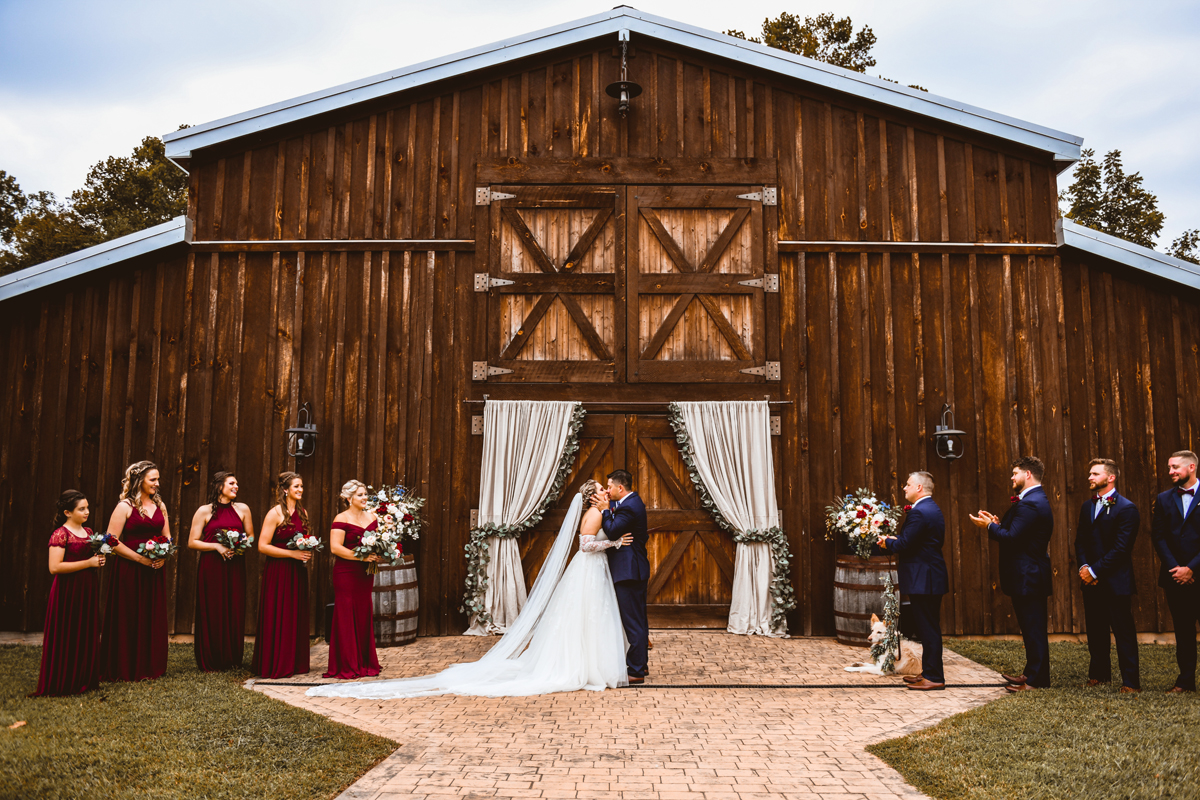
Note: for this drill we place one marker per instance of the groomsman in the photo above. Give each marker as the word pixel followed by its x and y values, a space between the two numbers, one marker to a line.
pixel 1108 524
pixel 1024 537
pixel 1175 529
pixel 922 572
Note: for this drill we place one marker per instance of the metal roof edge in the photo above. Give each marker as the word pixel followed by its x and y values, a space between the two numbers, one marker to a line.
pixel 1063 146
pixel 1113 248
pixel 176 231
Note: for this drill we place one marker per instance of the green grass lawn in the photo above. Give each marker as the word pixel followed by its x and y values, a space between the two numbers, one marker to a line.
pixel 186 735
pixel 1065 741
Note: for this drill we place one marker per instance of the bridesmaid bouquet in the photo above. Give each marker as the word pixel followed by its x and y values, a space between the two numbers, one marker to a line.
pixel 399 513
pixel 379 542
pixel 157 548
pixel 103 543
pixel 862 518
pixel 302 542
pixel 237 541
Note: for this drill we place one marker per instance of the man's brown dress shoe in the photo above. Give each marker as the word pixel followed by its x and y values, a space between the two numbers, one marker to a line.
pixel 635 679
pixel 1130 690
pixel 926 686
pixel 913 678
pixel 1013 679
pixel 1177 690
pixel 1094 682
pixel 1019 687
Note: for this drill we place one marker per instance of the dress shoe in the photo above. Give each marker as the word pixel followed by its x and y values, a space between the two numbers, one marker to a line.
pixel 649 645
pixel 1094 682
pixel 913 678
pixel 926 686
pixel 636 679
pixel 1019 687
pixel 1130 690
pixel 1013 679
pixel 1178 690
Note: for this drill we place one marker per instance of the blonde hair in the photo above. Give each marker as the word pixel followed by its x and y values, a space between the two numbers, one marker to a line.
pixel 588 490
pixel 131 485
pixel 349 489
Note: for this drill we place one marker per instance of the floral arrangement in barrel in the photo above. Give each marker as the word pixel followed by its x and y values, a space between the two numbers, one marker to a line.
pixel 862 518
pixel 399 515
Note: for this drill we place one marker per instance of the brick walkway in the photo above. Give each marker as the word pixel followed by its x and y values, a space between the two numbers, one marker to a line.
pixel 661 743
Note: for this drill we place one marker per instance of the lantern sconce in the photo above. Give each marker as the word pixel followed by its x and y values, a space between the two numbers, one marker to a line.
pixel 302 440
pixel 624 90
pixel 947 441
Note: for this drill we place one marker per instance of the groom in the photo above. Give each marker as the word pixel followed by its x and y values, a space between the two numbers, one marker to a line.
pixel 629 566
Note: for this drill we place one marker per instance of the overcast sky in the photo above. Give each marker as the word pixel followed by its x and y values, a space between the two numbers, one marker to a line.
pixel 81 80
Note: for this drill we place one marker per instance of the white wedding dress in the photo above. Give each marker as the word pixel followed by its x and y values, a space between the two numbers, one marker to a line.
pixel 572 627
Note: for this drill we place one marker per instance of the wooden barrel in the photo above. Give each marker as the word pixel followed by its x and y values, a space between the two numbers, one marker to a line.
pixel 857 594
pixel 395 603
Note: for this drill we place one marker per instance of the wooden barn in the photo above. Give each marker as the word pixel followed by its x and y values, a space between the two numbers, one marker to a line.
pixel 393 251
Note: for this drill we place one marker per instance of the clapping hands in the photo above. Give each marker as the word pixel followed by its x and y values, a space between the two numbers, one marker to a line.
pixel 984 518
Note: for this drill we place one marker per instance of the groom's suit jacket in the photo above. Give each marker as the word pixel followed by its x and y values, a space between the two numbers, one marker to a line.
pixel 1024 537
pixel 1176 537
pixel 1106 543
pixel 627 563
pixel 918 545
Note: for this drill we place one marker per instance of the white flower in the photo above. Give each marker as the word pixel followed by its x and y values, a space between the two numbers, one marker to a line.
pixel 369 540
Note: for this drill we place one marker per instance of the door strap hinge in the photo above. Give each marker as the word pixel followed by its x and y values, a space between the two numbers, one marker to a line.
pixel 768 283
pixel 756 282
pixel 770 371
pixel 484 281
pixel 477 425
pixel 484 196
pixel 776 425
pixel 769 196
pixel 481 371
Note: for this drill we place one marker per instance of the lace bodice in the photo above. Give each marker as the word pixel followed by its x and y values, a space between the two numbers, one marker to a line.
pixel 593 544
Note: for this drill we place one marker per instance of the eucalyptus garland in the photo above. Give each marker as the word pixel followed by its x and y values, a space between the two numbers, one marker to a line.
pixel 889 645
pixel 783 595
pixel 477 547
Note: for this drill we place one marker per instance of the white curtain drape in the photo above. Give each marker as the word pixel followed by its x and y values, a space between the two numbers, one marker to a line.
pixel 523 442
pixel 731 445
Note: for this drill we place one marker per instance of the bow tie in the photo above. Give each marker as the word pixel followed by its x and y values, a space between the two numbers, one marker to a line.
pixel 1187 491
pixel 1096 498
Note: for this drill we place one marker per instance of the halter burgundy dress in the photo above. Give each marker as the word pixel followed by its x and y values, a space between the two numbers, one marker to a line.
pixel 133 644
pixel 281 637
pixel 352 642
pixel 71 641
pixel 220 598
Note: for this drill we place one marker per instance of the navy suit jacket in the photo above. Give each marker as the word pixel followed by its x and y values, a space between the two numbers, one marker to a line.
pixel 1176 538
pixel 627 563
pixel 918 546
pixel 1024 537
pixel 1106 543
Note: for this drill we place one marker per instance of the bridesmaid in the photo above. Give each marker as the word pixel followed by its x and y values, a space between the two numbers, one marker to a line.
pixel 133 642
pixel 352 645
pixel 71 642
pixel 220 578
pixel 281 640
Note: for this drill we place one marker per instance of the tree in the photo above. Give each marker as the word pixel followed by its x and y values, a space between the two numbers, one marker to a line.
pixel 120 196
pixel 1187 246
pixel 1105 199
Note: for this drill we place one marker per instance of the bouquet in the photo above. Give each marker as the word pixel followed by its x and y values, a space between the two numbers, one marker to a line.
pixel 862 518
pixel 382 543
pixel 237 541
pixel 103 543
pixel 302 542
pixel 157 548
pixel 399 512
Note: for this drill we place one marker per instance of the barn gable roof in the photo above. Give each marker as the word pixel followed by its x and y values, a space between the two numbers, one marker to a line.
pixel 1080 237
pixel 159 237
pixel 1064 147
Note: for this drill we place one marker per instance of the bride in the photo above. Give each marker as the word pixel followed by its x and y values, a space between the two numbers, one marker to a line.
pixel 567 637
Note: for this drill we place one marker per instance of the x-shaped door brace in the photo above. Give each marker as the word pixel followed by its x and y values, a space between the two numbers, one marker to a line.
pixel 542 259
pixel 684 266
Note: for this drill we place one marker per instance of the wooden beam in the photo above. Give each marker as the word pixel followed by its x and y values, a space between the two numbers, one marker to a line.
pixel 708 171
pixel 330 245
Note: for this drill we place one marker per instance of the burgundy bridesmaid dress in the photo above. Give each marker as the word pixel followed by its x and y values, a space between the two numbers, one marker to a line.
pixel 220 598
pixel 352 646
pixel 281 638
pixel 71 642
pixel 133 644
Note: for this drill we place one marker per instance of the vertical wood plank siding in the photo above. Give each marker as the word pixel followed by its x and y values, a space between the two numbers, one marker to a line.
pixel 200 360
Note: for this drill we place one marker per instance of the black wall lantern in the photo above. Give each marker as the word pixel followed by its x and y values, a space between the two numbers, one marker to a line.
pixel 302 440
pixel 947 442
pixel 624 90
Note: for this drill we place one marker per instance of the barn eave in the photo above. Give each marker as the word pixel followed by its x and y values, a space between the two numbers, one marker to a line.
pixel 1063 147
pixel 169 234
pixel 1079 237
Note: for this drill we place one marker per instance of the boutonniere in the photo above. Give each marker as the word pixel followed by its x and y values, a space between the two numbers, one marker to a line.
pixel 1109 502
pixel 1015 498
pixel 907 509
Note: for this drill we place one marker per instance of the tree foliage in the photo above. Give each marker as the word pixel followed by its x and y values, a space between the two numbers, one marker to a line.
pixel 1106 199
pixel 1187 246
pixel 119 196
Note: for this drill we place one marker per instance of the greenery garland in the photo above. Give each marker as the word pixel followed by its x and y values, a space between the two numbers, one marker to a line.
pixel 477 548
pixel 889 646
pixel 783 595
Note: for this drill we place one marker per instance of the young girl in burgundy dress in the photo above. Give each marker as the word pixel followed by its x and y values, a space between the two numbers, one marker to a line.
pixel 281 637
pixel 220 577
pixel 352 643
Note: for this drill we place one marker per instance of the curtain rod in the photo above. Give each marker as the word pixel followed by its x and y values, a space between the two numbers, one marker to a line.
pixel 636 402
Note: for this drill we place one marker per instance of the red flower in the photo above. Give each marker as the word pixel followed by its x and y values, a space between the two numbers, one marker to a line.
pixel 861 513
pixel 908 508
pixel 1014 498
pixel 408 517
pixel 382 510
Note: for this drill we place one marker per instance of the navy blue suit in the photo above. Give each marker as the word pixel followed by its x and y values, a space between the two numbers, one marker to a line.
pixel 630 570
pixel 1176 537
pixel 1104 543
pixel 1024 537
pixel 923 578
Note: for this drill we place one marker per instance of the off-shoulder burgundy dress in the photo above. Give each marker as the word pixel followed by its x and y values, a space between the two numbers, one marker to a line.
pixel 352 646
pixel 133 644
pixel 281 638
pixel 220 598
pixel 71 641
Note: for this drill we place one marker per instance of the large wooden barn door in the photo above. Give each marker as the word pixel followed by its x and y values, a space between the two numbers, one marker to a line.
pixel 557 256
pixel 696 307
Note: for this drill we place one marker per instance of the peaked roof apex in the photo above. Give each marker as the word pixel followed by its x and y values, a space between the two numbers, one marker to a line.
pixel 1064 147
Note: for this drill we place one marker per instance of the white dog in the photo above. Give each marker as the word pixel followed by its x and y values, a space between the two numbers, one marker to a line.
pixel 908 660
